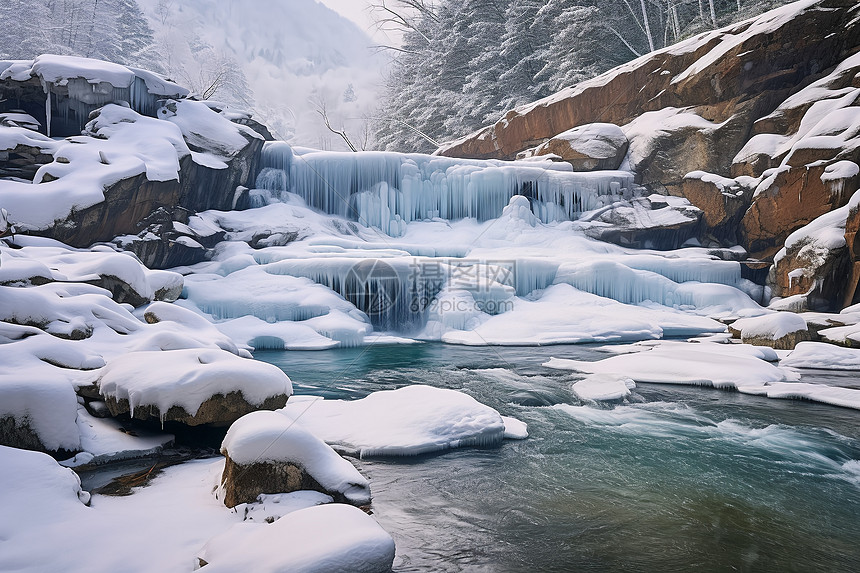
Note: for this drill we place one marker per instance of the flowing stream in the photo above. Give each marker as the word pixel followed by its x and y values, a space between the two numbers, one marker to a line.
pixel 678 479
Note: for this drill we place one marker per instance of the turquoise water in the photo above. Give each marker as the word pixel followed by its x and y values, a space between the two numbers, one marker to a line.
pixel 678 479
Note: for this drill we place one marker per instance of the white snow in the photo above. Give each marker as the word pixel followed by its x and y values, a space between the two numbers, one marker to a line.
pixel 187 378
pixel 824 234
pixel 770 326
pixel 649 128
pixel 409 421
pixel 264 436
pixel 603 388
pixel 822 356
pixel 332 538
pixel 835 396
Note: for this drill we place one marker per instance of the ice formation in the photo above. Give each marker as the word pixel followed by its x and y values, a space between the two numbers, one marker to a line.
pixel 410 421
pixel 390 190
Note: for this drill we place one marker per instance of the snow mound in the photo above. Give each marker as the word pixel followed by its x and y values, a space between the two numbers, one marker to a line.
pixel 46 407
pixel 332 538
pixel 409 421
pixel 34 488
pixel 272 436
pixel 187 378
pixel 603 388
pixel 822 356
pixel 103 441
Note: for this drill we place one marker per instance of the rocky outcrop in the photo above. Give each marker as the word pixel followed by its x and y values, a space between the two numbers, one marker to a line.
pixel 587 148
pixel 741 72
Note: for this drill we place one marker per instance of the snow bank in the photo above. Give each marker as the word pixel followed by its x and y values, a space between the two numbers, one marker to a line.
pixel 822 356
pixel 834 396
pixel 34 489
pixel 703 364
pixel 102 441
pixel 187 378
pixel 333 538
pixel 410 421
pixel 261 437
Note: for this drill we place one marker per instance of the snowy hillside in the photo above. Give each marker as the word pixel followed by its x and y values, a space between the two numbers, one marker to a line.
pixel 297 55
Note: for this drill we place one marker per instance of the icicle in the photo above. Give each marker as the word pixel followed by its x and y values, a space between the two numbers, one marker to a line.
pixel 48 111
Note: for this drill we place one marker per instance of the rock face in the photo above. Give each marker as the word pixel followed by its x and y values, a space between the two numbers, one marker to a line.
pixel 752 75
pixel 723 202
pixel 588 147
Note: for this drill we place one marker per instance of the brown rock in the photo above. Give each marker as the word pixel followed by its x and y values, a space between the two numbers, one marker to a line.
pixel 788 200
pixel 220 410
pixel 752 76
pixel 722 201
pixel 243 483
pixel 588 147
pixel 787 342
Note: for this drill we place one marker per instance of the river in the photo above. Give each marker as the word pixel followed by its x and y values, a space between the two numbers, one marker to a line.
pixel 677 479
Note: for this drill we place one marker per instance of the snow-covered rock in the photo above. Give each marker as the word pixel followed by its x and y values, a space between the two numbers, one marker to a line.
pixel 588 147
pixel 333 538
pixel 191 386
pixel 269 452
pixel 410 421
pixel 780 330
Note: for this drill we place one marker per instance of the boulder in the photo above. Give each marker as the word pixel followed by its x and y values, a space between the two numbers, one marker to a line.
pixel 722 201
pixel 588 147
pixel 37 413
pixel 269 452
pixel 191 386
pixel 655 222
pixel 779 330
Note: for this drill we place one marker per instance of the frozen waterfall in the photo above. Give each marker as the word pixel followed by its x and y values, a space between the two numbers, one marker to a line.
pixel 388 190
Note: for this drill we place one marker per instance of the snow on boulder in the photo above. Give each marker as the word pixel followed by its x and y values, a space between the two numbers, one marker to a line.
pixel 269 452
pixel 595 146
pixel 191 386
pixel 332 538
pixel 409 421
pixel 705 364
pixel 780 330
pixel 213 138
pixel 36 412
pixel 822 356
pixel 603 388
